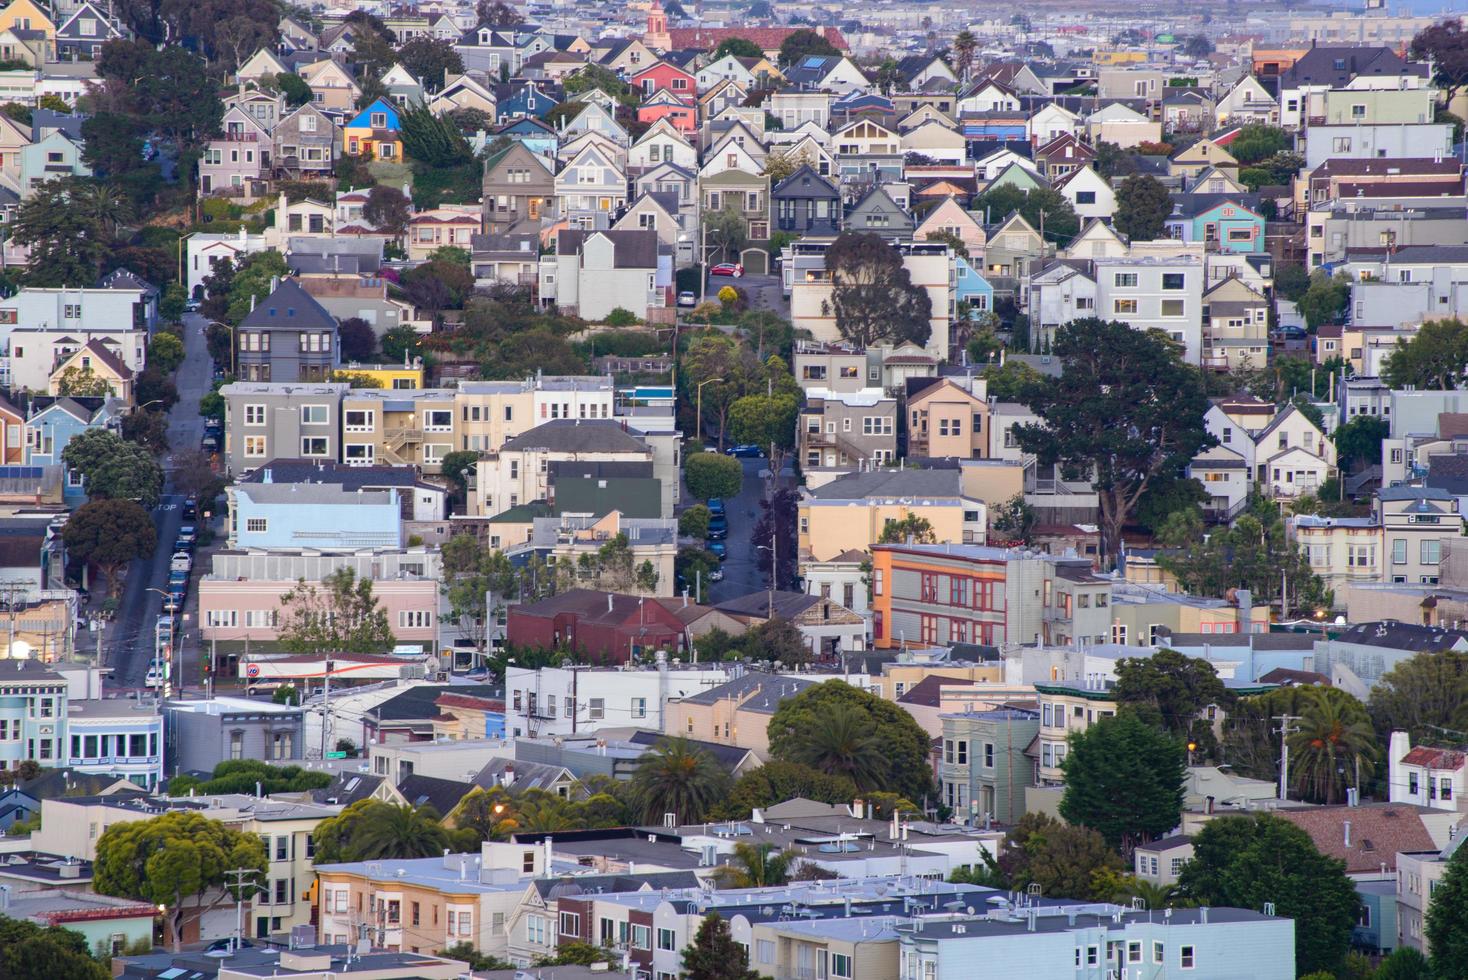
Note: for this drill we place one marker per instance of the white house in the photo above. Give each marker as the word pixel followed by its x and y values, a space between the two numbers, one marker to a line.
pixel 1088 192
pixel 585 699
pixel 202 251
pixel 1425 776
pixel 596 272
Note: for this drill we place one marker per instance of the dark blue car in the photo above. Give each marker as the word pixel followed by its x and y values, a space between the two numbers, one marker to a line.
pixel 746 451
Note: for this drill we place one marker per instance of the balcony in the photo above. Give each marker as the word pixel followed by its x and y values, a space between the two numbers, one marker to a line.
pixel 239 137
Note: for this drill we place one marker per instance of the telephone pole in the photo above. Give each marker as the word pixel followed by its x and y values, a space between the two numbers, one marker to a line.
pixel 237 884
pixel 1285 730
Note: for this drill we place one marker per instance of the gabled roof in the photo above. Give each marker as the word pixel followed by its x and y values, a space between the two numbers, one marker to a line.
pixel 289 307
pixel 96 349
pixel 577 435
pixel 633 248
pixel 441 794
pixel 804 182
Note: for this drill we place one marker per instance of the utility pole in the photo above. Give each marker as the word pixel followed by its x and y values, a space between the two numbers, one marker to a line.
pixel 774 561
pixel 1285 730
pixel 325 707
pixel 237 884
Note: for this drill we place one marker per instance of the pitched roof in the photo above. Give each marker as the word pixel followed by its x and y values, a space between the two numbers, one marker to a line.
pixel 786 605
pixel 767 38
pixel 441 794
pixel 289 307
pixel 1378 832
pixel 895 483
pixel 575 436
pixel 928 691
pixel 632 248
pixel 1430 758
pixel 100 351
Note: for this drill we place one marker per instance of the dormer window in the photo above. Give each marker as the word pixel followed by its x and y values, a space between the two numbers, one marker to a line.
pixel 484 37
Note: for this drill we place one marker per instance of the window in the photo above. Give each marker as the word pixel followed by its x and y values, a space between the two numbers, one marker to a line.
pixel 254 445
pixel 1173 307
pixel 988 755
pixel 535 929
pixel 254 414
pixel 1185 957
pixel 570 924
pixel 361 454
pixel 1399 551
pixel 596 708
pixel 438 421
pixel 314 414
pixel 314 445
pixel 1085 197
pixel 1157 952
pixel 641 937
pixel 1134 952
pixel 257 525
pixel 237 745
pixel 358 420
pixel 1241 234
pixel 415 618
pixel 667 939
pixel 639 707
pixel 841 966
pixel 1125 280
pixel 1430 551
pixel 764 950
pixel 1124 306
pixel 1173 280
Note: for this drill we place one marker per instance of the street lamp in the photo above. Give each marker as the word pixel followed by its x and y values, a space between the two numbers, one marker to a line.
pixel 698 417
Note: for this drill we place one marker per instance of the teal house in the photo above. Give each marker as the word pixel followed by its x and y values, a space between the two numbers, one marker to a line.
pixel 969 286
pixel 1223 222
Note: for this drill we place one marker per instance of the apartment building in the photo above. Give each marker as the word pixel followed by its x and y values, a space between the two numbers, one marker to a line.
pixel 266 421
pixel 850 512
pixel 33 713
pixel 560 701
pixel 948 418
pixel 1235 326
pixel 930 594
pixel 1155 292
pixel 1402 542
pixel 737 712
pixel 983 771
pixel 834 367
pixel 1067 708
pixel 839 430
pixel 288 337
pixel 403 428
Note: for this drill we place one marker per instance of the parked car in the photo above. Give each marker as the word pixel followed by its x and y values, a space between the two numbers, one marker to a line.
pixel 190 510
pixel 187 533
pixel 156 674
pixel 687 298
pixel 717 575
pixel 192 306
pixel 718 549
pixel 718 526
pixel 716 505
pixel 727 269
pixel 746 451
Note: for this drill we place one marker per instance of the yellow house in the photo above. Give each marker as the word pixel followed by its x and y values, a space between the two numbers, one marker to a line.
pixel 86 370
pixel 394 377
pixel 27 15
pixel 851 513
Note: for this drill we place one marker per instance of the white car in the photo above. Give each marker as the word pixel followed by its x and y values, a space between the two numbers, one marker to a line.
pixel 686 298
pixel 156 674
pixel 717 575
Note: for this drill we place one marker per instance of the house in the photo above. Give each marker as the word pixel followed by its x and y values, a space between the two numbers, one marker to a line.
pixel 596 272
pixel 664 76
pixel 940 141
pixel 54 422
pixel 680 111
pixel 332 86
pixel 1247 102
pixel 1063 155
pixel 374 132
pixel 288 337
pixel 985 95
pixel 877 212
pixel 1235 327
pixel 969 289
pixel 593 118
pixel 827 73
pixel 659 213
pixel 266 421
pixel 519 186
pixel 463 92
pixel 1013 250
pixel 1292 455
pixel 590 188
pixel 984 772
pixel 403 89
pixel 81 35
pixel 446 226
pixel 606 627
pixel 736 712
pixel 1122 125
pixel 1090 194
pixel 838 430
pixel 662 143
pixel 1161 862
pixel 528 100
pixel 748 193
pixel 52 156
pixel 1425 776
pixel 305 142
pixel 88 367
pixel 806 203
pixel 946 419
pixel 850 512
pixel 1202 155
pixel 1322 68
pixel 1159 292
pixel 235 163
pixel 951 219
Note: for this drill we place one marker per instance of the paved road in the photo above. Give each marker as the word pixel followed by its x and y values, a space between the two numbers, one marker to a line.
pixel 765 293
pixel 129 643
pixel 741 572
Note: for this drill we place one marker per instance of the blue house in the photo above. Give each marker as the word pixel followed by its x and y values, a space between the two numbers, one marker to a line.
pixel 1226 223
pixel 969 286
pixel 275 516
pixel 54 422
pixel 539 138
pixel 376 131
pixel 528 100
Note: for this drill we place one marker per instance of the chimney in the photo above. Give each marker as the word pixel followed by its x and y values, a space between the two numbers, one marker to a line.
pixel 609 602
pixel 549 855
pixel 1346 827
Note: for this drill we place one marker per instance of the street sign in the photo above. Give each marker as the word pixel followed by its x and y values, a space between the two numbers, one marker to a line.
pixel 336 755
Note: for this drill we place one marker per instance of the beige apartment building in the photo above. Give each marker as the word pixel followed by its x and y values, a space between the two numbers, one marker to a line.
pixel 404 428
pixel 850 513
pixel 948 420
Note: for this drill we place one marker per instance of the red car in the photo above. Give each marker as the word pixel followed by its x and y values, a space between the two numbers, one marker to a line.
pixel 727 269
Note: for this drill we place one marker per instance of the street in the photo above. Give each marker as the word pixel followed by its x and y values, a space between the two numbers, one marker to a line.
pixel 741 573
pixel 129 638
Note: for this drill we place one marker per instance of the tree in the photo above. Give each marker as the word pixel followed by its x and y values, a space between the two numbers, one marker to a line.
pixel 777 781
pixel 387 209
pixel 677 777
pixel 103 204
pixel 1445 47
pixel 66 245
pixel 1244 861
pixel 32 952
pixel 739 47
pixel 431 140
pixel 1047 211
pixel 113 144
pixel 1406 963
pixel 726 231
pixel 1015 519
pixel 400 345
pixel 356 340
pixel 919 529
pixel 1143 205
pixel 713 475
pixel 1126 408
pixel 1172 691
pixel 1434 357
pixel 1258 141
pixel 1064 861
pixel 901 744
pixel 1124 779
pixel 1291 281
pixel 873 296
pixel 430 60
pixel 342 615
pixel 1358 442
pixel 165 352
pixel 82 383
pixel 1447 918
pixel 147 429
pixel 1009 382
pixel 717 370
pixel 456 468
pixel 243 775
pixel 112 467
pixel 1422 695
pixel 497 14
pixel 778 166
pixel 714 955
pixel 767 421
pixel 478 581
pixel 964 46
pixel 398 832
pixel 1326 300
pixel 775 528
pixel 803 43
pixel 841 744
pixel 109 534
pixel 756 866
pixel 694 522
pixel 175 861
pixel 1332 748
pixel 1197 46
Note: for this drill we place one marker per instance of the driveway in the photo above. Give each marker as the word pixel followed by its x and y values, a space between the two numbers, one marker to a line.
pixel 765 293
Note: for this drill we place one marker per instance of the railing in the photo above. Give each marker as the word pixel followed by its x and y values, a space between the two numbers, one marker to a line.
pixel 396 439
pixel 239 137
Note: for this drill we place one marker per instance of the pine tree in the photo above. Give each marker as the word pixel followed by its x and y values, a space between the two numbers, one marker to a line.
pixel 714 955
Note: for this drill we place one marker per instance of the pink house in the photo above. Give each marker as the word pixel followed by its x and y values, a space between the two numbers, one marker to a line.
pixel 251 609
pixel 665 77
pixel 681 112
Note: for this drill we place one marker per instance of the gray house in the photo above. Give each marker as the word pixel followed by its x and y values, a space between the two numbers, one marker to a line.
pixel 518 187
pixel 280 421
pixel 202 734
pixel 305 142
pixel 879 214
pixel 839 428
pixel 806 203
pixel 984 770
pixel 287 337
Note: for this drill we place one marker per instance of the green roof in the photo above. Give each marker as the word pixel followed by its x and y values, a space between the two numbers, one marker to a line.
pixel 523 513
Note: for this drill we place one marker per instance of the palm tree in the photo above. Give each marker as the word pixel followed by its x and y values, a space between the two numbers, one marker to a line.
pixel 678 778
pixel 401 832
pixel 842 744
pixel 1153 895
pixel 104 204
pixel 755 866
pixel 964 46
pixel 1332 749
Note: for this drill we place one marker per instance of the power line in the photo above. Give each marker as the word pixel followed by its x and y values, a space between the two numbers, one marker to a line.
pixel 1285 730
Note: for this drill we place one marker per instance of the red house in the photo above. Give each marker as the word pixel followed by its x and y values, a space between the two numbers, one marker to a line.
pixel 660 76
pixel 663 104
pixel 605 626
